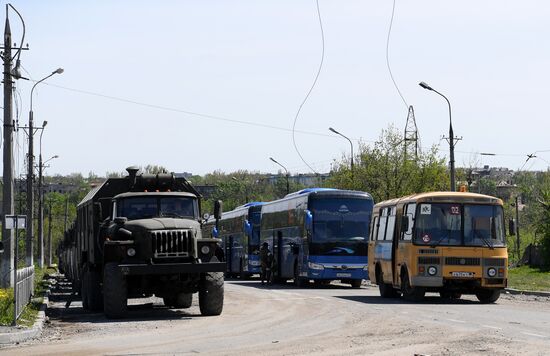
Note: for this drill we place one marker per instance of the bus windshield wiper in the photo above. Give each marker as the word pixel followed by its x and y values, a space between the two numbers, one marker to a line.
pixel 440 240
pixel 170 214
pixel 485 241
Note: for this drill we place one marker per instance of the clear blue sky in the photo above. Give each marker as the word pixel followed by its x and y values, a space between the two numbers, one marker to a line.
pixel 255 60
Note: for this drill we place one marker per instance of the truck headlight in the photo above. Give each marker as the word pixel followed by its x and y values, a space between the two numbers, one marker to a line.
pixel 492 272
pixel 205 249
pixel 432 270
pixel 131 252
pixel 315 266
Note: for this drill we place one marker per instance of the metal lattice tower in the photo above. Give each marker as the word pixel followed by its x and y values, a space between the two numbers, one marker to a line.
pixel 412 139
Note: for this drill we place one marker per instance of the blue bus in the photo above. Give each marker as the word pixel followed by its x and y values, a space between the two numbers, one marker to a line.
pixel 239 231
pixel 318 234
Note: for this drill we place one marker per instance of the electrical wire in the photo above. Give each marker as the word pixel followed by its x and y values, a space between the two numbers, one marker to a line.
pixel 311 88
pixel 388 57
pixel 187 112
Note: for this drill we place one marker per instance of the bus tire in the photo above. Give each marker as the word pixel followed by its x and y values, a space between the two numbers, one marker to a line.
pixel 299 282
pixel 413 294
pixel 487 296
pixel 115 293
pixel 386 289
pixel 356 283
pixel 95 297
pixel 211 292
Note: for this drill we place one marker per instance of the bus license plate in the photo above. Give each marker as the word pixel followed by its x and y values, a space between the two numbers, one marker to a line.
pixel 343 274
pixel 462 274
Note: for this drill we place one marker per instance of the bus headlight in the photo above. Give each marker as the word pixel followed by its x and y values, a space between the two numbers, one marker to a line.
pixel 315 266
pixel 205 249
pixel 432 270
pixel 491 272
pixel 131 252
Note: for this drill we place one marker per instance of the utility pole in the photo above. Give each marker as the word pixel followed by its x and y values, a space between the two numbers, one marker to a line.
pixel 8 257
pixel 517 228
pixel 50 233
pixel 30 195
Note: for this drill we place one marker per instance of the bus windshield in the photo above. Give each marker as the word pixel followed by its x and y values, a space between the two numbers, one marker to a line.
pixel 454 224
pixel 340 219
pixel 146 207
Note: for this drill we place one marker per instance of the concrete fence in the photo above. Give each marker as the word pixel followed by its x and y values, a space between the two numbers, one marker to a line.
pixel 25 288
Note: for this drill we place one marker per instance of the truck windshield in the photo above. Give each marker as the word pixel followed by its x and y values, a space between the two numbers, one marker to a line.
pixel 142 207
pixel 340 219
pixel 459 225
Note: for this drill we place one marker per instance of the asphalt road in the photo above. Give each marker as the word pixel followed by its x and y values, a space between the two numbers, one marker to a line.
pixel 274 320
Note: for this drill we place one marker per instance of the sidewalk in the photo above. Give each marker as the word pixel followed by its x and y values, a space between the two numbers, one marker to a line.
pixel 527 292
pixel 17 334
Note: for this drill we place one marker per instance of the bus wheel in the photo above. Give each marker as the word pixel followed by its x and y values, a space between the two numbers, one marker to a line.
pixel 414 294
pixel 487 296
pixel 355 283
pixel 386 289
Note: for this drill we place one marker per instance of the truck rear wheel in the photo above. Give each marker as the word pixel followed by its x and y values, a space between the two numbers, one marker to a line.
pixel 184 300
pixel 115 294
pixel 84 291
pixel 211 293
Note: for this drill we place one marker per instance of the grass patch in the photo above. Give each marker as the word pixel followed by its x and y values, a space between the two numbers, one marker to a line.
pixel 29 314
pixel 529 278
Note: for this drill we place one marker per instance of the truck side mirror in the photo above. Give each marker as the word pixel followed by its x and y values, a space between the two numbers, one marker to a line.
pixel 218 209
pixel 404 223
pixel 512 227
pixel 98 211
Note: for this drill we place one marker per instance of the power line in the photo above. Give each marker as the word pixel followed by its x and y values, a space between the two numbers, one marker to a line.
pixel 312 86
pixel 166 108
pixel 388 56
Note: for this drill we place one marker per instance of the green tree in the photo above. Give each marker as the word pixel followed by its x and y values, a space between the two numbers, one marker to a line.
pixel 382 169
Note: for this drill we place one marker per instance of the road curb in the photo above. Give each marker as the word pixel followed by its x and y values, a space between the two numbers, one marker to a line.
pixel 26 334
pixel 527 292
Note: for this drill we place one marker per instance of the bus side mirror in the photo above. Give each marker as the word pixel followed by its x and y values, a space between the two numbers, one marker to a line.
pixel 247 228
pixel 215 232
pixel 512 227
pixel 309 221
pixel 218 209
pixel 404 223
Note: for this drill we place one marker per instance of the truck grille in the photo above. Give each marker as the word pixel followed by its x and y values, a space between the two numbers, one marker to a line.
pixel 171 243
pixel 462 261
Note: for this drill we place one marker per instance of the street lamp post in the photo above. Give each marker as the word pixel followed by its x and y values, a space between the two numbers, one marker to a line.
pixel 451 135
pixel 286 174
pixel 30 168
pixel 41 202
pixel 350 143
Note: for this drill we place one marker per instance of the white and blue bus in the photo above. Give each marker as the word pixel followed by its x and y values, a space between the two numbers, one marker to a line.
pixel 318 234
pixel 239 231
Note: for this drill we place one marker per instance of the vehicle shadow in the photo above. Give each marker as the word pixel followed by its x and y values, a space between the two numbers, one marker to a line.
pixel 430 300
pixel 66 307
pixel 289 285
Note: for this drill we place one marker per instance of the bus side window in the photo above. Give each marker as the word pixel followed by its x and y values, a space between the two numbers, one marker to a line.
pixel 374 230
pixel 382 224
pixel 410 210
pixel 391 224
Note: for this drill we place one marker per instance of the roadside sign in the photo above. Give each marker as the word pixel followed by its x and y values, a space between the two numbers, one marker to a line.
pixel 15 222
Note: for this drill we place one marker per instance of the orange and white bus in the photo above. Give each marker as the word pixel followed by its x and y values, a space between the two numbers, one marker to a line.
pixel 447 242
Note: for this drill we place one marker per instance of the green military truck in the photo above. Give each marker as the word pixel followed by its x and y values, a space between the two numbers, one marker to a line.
pixel 140 236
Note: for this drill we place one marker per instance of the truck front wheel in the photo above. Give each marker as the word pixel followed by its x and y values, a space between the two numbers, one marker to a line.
pixel 115 294
pixel 211 293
